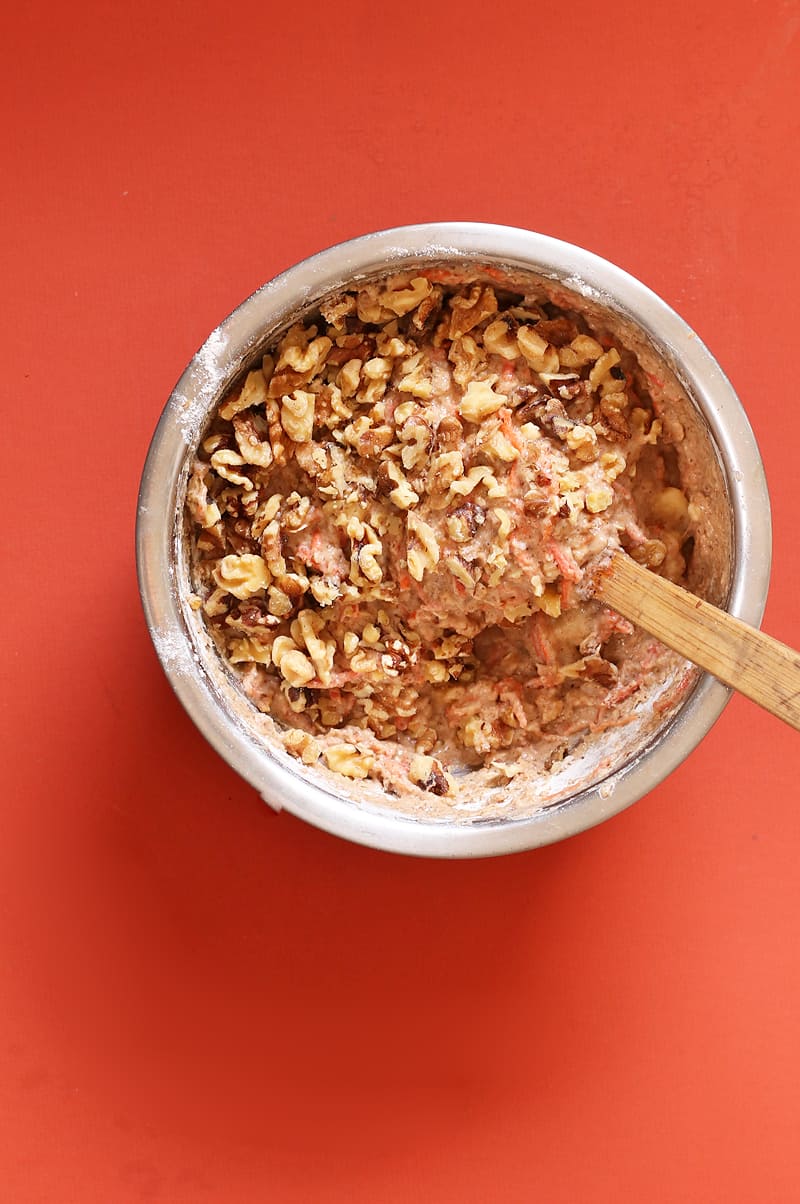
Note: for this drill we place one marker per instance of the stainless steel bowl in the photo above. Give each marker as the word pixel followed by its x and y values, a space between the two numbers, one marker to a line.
pixel 163 571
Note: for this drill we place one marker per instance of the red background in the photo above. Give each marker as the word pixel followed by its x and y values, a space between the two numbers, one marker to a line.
pixel 201 1000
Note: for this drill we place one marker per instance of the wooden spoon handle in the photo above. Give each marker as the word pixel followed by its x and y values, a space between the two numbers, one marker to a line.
pixel 759 667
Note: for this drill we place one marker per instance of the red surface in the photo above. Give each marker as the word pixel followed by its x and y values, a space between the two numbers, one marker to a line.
pixel 201 1000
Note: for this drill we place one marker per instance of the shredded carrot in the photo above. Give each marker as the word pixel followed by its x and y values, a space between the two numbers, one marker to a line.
pixel 607 724
pixel 617 696
pixel 507 427
pixel 567 564
pixel 540 643
pixel 515 486
pixel 664 703
pixel 441 275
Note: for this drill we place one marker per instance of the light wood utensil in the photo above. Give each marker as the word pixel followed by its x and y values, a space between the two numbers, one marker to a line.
pixel 755 664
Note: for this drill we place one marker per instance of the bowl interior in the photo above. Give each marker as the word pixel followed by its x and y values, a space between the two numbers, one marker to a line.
pixel 592 761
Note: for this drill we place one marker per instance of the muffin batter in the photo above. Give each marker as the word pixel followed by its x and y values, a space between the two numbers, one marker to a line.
pixel 392 520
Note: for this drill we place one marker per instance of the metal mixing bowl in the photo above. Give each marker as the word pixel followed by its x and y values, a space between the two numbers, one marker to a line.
pixel 163 568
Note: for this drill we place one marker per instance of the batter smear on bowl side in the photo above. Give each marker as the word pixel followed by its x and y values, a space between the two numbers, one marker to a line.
pixel 392 519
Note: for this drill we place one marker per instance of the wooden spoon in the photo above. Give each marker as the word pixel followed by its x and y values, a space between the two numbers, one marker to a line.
pixel 755 664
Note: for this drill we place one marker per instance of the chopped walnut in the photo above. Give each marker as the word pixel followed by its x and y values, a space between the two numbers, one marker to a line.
pixel 498 340
pixel 479 401
pixel 348 760
pixel 429 775
pixel 225 464
pixel 203 512
pixel 293 665
pixel 468 359
pixel 253 393
pixel 423 551
pixel 297 415
pixel 467 311
pixel 449 433
pixel 241 576
pixel 651 553
pixel 252 439
pixel 303 745
pixel 540 354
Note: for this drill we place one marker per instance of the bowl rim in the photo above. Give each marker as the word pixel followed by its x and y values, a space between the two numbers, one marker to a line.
pixel 224 353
